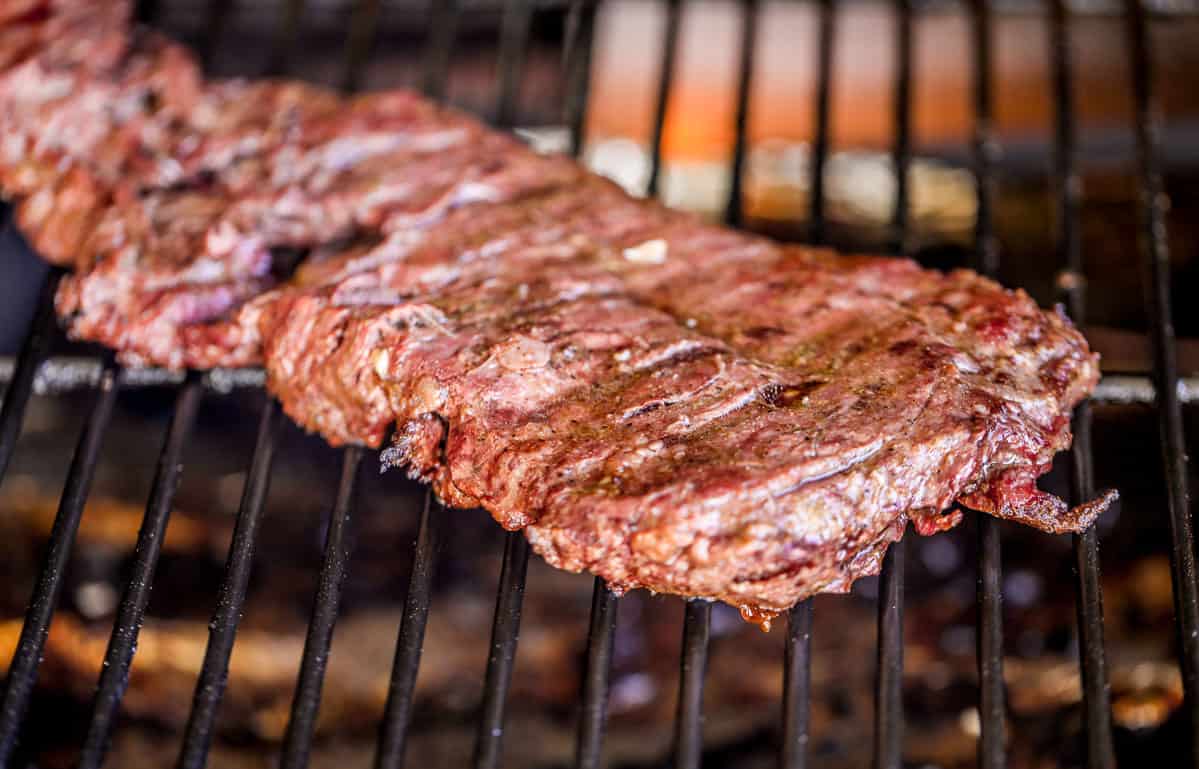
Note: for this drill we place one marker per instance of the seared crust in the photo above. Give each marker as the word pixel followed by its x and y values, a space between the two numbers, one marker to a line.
pixel 734 419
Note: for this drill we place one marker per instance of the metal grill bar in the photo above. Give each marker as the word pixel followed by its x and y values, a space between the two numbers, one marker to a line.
pixel 991 753
pixel 360 39
pixel 689 722
pixel 797 678
pixel 901 152
pixel 670 44
pixel 123 642
pixel 22 672
pixel 576 63
pixel 1155 252
pixel 888 696
pixel 443 30
pixel 505 632
pixel 734 214
pixel 1072 284
pixel 397 713
pixel 797 650
pixel 1096 697
pixel 305 706
pixel 820 140
pixel 888 704
pixel 514 46
pixel 210 686
pixel 145 11
pixel 593 713
pixel 33 352
pixel 601 634
pixel 214 29
pixel 287 37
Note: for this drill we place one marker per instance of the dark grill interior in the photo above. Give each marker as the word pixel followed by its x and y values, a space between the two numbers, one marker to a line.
pixel 518 18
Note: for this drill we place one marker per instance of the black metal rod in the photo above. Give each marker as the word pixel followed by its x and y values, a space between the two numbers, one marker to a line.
pixel 360 40
pixel 901 152
pixel 991 753
pixel 576 64
pixel 22 672
pixel 991 699
pixel 305 705
pixel 593 712
pixel 820 139
pixel 397 714
pixel 210 686
pixel 1155 252
pixel 146 11
pixel 797 679
pixel 670 44
pixel 123 643
pixel 986 148
pixel 216 21
pixel 287 37
pixel 33 352
pixel 1095 691
pixel 734 213
pixel 443 30
pixel 1072 284
pixel 514 46
pixel 888 697
pixel 505 632
pixel 689 717
pixel 1067 183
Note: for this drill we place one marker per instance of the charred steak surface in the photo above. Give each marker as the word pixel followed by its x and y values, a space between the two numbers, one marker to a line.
pixel 666 403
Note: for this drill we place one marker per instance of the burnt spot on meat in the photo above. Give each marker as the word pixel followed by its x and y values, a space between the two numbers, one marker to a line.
pixel 781 395
pixel 902 347
pixel 760 333
pixel 645 408
pixel 285 260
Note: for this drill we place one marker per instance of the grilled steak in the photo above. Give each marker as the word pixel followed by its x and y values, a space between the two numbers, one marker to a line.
pixel 664 402
pixel 674 405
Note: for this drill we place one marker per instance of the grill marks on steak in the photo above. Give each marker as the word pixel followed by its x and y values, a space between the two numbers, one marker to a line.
pixel 664 402
pixel 636 419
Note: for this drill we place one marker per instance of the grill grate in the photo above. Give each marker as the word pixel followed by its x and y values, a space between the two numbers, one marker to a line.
pixel 889 714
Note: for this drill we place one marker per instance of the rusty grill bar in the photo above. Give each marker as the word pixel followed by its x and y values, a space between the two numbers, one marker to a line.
pixel 889 714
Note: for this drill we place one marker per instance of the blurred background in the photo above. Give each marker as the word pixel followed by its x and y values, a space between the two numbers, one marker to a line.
pixel 744 684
